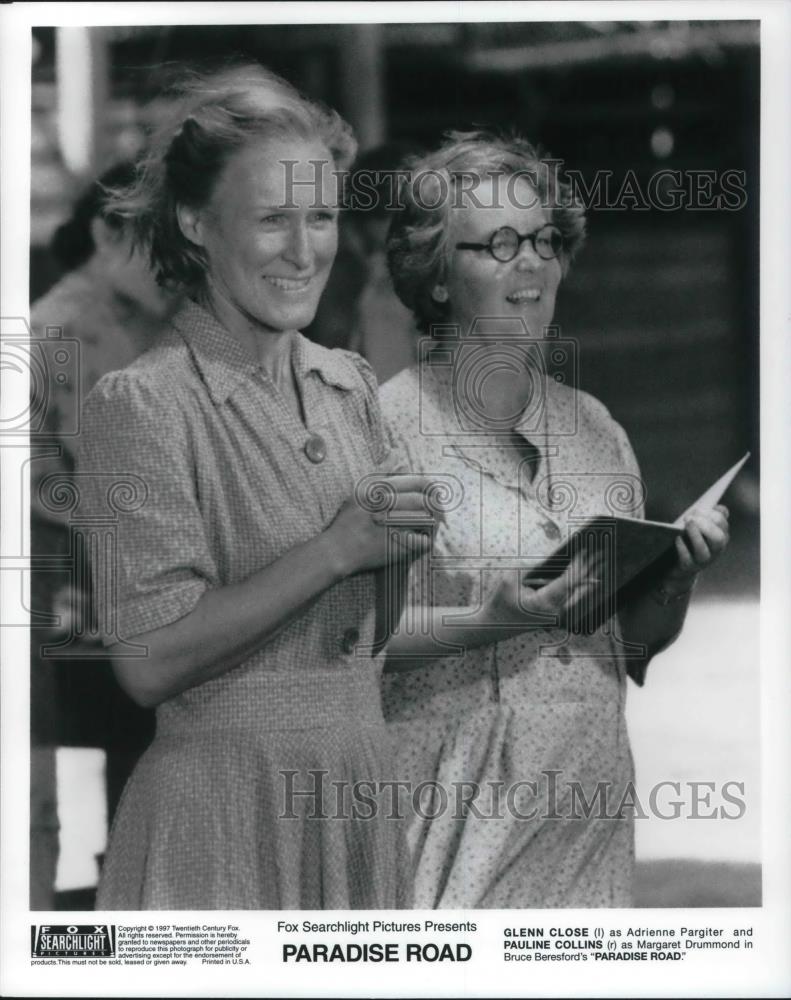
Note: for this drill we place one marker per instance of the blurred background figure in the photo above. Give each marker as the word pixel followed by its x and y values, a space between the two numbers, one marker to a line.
pixel 360 310
pixel 108 298
pixel 383 330
pixel 109 303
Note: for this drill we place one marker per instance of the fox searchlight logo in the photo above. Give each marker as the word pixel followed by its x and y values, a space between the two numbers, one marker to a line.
pixel 72 941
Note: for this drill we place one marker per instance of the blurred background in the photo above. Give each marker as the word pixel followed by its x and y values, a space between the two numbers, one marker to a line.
pixel 663 305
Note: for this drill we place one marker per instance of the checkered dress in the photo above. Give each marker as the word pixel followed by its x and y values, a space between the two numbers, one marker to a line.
pixel 233 806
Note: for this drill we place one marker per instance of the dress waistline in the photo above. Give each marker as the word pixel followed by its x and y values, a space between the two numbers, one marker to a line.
pixel 278 701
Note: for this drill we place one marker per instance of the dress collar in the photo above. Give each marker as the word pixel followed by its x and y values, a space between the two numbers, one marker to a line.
pixel 333 367
pixel 223 362
pixel 548 425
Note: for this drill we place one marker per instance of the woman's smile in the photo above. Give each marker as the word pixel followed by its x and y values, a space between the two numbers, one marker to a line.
pixel 524 295
pixel 289 285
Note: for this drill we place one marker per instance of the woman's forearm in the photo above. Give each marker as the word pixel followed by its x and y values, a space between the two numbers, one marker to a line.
pixel 230 623
pixel 449 631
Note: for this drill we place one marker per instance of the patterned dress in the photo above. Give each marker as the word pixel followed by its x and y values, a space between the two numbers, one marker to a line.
pixel 510 744
pixel 210 477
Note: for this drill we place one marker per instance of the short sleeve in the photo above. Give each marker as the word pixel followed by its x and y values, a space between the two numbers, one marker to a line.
pixel 136 475
pixel 381 446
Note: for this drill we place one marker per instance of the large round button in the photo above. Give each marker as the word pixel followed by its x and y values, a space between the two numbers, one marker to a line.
pixel 316 448
pixel 350 639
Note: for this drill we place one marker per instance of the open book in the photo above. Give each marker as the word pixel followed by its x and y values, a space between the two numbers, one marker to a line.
pixel 633 550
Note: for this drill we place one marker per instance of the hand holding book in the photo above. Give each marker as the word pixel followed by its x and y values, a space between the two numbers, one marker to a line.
pixel 607 564
pixel 704 540
pixel 648 555
pixel 518 600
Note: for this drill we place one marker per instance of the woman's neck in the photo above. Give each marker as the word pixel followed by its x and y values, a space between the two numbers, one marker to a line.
pixel 271 348
pixel 502 387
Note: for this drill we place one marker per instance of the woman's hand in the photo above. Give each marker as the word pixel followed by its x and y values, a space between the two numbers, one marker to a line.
pixel 515 602
pixel 510 607
pixel 359 535
pixel 703 542
pixel 654 619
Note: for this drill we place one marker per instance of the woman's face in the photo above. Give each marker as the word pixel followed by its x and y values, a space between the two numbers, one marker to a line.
pixel 270 233
pixel 476 284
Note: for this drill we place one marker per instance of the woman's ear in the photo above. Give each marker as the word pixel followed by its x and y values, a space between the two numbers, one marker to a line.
pixel 439 293
pixel 190 223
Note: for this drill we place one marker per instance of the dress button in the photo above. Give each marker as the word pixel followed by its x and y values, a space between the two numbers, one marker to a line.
pixel 551 530
pixel 564 655
pixel 350 639
pixel 316 448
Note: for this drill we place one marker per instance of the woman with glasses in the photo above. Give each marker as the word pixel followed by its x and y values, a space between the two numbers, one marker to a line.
pixel 512 733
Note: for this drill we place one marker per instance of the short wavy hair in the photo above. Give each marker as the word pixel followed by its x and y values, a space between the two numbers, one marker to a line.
pixel 417 245
pixel 209 118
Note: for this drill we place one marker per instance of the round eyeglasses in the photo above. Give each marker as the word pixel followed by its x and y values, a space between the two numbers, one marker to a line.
pixel 504 243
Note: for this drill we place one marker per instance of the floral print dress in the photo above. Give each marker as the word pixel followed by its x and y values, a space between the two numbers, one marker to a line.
pixel 516 753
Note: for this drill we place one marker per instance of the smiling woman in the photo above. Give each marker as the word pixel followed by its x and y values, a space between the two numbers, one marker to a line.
pixel 515 706
pixel 268 247
pixel 244 569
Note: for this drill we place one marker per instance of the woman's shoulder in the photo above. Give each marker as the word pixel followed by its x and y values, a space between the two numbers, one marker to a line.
pixel 156 379
pixel 596 428
pixel 339 367
pixel 349 372
pixel 590 412
pixel 144 413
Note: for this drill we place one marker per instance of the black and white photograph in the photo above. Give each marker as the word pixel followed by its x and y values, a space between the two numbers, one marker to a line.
pixel 395 499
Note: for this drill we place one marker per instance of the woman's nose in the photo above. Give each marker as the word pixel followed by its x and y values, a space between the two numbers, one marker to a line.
pixel 299 250
pixel 526 258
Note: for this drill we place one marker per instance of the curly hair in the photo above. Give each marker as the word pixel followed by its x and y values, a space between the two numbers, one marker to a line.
pixel 212 117
pixel 417 245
